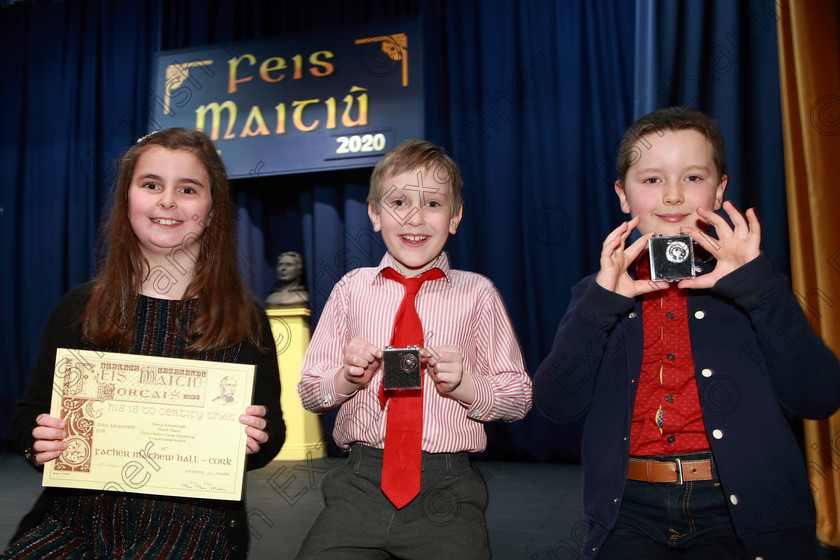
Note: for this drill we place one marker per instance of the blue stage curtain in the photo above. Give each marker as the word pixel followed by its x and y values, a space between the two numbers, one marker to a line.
pixel 530 97
pixel 722 58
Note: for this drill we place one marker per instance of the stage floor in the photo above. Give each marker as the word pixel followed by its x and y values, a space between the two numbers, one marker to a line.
pixel 534 511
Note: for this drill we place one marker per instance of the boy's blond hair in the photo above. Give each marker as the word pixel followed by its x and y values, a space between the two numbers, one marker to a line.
pixel 413 154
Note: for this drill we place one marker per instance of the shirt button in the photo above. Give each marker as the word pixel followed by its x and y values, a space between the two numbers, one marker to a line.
pixel 717 434
pixel 699 314
pixel 669 398
pixel 671 439
pixel 671 356
pixel 670 314
pixel 706 372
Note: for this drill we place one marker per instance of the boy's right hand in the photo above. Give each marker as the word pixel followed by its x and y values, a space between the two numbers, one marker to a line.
pixel 361 361
pixel 49 434
pixel 616 259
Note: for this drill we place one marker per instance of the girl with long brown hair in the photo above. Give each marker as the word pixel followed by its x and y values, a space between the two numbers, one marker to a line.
pixel 169 286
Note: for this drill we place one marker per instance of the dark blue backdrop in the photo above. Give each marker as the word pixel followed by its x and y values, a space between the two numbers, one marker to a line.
pixel 531 98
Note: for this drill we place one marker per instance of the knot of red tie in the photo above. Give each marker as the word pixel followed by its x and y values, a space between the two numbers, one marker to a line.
pixel 408 331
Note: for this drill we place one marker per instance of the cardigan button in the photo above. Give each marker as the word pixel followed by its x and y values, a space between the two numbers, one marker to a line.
pixel 706 372
pixel 734 499
pixel 699 314
pixel 717 434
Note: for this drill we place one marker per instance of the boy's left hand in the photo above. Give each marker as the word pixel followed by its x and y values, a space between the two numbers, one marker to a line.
pixel 254 426
pixel 734 247
pixel 445 366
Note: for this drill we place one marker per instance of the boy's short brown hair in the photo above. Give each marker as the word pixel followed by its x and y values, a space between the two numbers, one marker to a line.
pixel 669 118
pixel 410 155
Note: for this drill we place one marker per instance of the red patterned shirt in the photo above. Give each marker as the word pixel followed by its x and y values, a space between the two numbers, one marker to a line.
pixel 667 417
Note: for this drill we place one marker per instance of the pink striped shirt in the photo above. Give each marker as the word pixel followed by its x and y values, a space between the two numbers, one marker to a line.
pixel 463 309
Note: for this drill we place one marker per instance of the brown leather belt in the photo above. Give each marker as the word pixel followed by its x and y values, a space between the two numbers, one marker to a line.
pixel 675 471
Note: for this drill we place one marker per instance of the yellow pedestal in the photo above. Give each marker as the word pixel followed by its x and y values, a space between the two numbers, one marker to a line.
pixel 290 327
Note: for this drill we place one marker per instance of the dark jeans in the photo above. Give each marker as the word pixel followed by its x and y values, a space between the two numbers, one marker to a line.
pixel 358 522
pixel 662 521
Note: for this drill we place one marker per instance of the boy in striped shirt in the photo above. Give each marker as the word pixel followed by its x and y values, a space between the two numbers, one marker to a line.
pixel 473 372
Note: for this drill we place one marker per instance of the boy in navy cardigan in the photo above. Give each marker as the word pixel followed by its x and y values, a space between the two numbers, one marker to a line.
pixel 685 384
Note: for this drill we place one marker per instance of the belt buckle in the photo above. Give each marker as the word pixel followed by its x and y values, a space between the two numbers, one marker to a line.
pixel 678 463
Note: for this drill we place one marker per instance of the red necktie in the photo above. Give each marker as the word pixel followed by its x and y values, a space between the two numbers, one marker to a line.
pixel 404 424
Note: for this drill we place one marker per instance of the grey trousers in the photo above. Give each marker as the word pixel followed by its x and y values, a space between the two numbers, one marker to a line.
pixel 446 520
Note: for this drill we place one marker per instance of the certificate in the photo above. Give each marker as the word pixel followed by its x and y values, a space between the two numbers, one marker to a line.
pixel 150 425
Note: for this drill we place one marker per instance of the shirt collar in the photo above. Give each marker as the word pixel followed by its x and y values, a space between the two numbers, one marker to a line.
pixel 442 262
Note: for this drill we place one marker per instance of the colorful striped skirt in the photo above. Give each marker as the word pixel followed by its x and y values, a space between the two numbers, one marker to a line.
pixel 123 526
